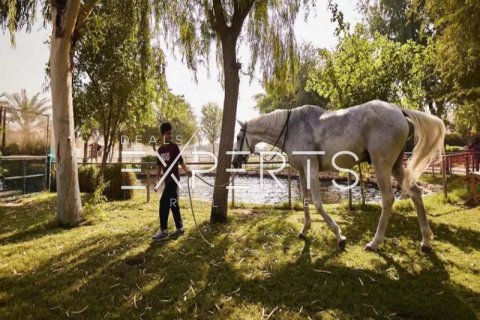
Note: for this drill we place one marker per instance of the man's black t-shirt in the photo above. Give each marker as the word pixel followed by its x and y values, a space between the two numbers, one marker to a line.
pixel 168 152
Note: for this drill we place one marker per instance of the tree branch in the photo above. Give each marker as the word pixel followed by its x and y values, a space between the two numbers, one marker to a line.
pixel 217 18
pixel 239 14
pixel 64 16
pixel 84 13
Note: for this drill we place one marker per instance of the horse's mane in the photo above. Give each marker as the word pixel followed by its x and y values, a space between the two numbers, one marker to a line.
pixel 270 120
pixel 277 118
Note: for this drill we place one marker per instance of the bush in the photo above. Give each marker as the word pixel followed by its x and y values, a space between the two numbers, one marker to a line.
pixel 449 148
pixel 149 158
pixel 12 149
pixel 456 139
pixel 31 148
pixel 87 178
pixel 114 178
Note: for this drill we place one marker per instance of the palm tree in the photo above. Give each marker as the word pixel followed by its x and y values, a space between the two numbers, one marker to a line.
pixel 26 112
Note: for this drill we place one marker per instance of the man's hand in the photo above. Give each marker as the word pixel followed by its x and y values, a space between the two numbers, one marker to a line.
pixel 189 173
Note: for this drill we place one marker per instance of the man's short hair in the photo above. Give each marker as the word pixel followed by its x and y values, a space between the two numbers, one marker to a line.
pixel 166 126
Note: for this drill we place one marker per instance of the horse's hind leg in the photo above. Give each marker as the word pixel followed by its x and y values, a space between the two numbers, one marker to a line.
pixel 383 175
pixel 416 195
pixel 306 222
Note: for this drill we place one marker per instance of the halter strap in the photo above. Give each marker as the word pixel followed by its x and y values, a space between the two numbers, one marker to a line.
pixel 284 129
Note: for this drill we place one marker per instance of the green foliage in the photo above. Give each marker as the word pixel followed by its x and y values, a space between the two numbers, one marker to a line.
pixel 176 110
pixel 363 69
pixel 399 20
pixel 110 183
pixel 194 27
pixel 92 208
pixel 285 89
pixel 27 114
pixel 149 158
pixel 407 21
pixel 117 79
pixel 30 147
pixel 3 171
pixel 456 139
pixel 449 148
pixel 87 178
pixel 116 178
pixel 458 51
pixel 211 122
pixel 458 46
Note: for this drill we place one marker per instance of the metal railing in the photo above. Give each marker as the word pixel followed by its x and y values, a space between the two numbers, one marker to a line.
pixel 24 174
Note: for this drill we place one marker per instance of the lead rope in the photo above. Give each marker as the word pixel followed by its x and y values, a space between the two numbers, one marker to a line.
pixel 193 215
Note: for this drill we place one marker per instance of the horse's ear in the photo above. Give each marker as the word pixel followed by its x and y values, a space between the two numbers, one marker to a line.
pixel 242 124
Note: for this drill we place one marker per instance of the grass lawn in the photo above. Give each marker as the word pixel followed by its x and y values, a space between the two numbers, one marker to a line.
pixel 257 269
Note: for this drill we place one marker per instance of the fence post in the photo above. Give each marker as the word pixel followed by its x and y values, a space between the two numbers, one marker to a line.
pixel 233 192
pixel 467 165
pixel 444 176
pixel 24 176
pixel 473 162
pixel 49 172
pixel 289 187
pixel 148 183
pixel 349 179
pixel 362 185
pixel 449 159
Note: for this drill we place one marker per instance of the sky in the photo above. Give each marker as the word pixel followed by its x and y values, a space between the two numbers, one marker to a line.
pixel 23 67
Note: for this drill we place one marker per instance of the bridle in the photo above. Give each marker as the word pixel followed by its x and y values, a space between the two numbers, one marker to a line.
pixel 284 129
pixel 245 139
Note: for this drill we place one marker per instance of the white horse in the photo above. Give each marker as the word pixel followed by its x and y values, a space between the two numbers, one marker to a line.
pixel 376 132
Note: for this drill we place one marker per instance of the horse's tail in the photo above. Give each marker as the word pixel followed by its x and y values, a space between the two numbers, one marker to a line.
pixel 429 138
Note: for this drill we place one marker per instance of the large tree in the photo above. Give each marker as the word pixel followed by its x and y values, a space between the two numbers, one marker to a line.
pixel 408 21
pixel 269 32
pixel 67 18
pixel 457 40
pixel 27 111
pixel 211 123
pixel 363 68
pixel 117 81
pixel 399 20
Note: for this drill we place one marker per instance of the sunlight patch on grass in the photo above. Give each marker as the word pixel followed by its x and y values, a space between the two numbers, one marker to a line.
pixel 109 268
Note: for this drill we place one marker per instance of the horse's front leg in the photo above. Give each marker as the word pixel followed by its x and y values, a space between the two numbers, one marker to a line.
pixel 315 192
pixel 306 222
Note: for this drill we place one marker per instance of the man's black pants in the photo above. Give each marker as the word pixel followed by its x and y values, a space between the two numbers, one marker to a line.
pixel 169 200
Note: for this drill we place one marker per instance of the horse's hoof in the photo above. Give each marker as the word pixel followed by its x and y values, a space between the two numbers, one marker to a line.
pixel 302 236
pixel 341 244
pixel 426 249
pixel 370 248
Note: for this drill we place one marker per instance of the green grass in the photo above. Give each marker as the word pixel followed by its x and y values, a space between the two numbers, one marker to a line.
pixel 110 269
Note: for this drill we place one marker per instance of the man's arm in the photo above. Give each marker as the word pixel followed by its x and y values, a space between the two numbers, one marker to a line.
pixel 185 168
pixel 159 171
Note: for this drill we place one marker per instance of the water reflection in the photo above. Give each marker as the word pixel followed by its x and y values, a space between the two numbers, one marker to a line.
pixel 272 193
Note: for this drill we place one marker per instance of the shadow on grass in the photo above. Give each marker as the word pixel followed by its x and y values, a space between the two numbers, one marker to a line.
pixel 24 220
pixel 256 263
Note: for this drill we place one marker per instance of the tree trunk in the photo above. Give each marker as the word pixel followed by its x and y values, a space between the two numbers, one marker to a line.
pixel 120 147
pixel 69 205
pixel 4 131
pixel 232 83
pixel 85 151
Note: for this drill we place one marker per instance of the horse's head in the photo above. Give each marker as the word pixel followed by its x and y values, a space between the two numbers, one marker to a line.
pixel 244 145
